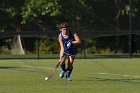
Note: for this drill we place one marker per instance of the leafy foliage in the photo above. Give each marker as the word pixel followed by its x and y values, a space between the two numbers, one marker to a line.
pixel 35 8
pixel 82 15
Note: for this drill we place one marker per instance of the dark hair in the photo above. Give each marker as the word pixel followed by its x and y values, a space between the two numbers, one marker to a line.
pixel 64 25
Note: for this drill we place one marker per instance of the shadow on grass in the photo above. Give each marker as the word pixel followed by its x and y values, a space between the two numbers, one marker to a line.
pixel 130 81
pixel 19 69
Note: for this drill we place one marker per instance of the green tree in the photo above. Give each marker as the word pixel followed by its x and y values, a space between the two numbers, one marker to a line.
pixel 10 14
pixel 33 9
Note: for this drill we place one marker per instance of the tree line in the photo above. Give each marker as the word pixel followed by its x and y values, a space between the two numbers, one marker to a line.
pixel 82 15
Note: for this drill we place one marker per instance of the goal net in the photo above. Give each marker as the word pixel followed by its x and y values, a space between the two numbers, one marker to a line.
pixel 17 48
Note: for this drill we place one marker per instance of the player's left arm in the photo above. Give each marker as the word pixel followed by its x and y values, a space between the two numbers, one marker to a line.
pixel 77 39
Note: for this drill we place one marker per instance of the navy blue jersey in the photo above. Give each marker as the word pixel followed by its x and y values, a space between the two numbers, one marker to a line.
pixel 72 50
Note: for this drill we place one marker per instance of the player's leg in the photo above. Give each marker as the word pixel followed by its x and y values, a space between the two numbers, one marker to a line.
pixel 63 67
pixel 70 67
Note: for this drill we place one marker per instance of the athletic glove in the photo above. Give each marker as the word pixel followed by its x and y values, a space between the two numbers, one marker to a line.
pixel 69 43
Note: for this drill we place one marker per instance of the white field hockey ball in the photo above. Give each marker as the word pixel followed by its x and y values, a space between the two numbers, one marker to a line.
pixel 46 78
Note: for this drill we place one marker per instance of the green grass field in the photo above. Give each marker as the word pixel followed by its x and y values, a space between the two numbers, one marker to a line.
pixel 89 76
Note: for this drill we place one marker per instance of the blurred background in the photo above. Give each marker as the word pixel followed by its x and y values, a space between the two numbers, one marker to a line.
pixel 107 28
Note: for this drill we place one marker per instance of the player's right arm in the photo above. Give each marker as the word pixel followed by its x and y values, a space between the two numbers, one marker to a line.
pixel 61 46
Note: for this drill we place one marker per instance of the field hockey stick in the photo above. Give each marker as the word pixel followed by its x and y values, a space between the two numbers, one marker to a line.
pixel 57 65
pixel 55 68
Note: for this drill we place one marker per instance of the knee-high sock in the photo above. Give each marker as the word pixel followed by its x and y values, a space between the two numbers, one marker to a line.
pixel 63 67
pixel 69 71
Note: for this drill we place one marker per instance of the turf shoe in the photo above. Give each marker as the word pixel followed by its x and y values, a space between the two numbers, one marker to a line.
pixel 68 75
pixel 62 73
pixel 68 79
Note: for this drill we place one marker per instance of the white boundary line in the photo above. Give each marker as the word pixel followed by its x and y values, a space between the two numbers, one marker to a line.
pixel 124 75
pixel 37 67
